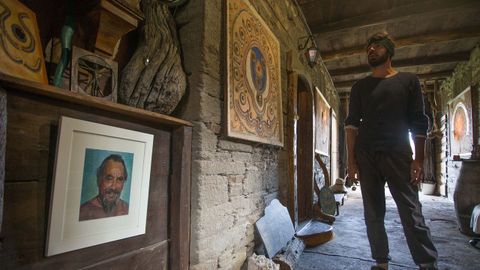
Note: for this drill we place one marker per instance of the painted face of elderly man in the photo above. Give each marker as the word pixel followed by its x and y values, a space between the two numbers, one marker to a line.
pixel 111 177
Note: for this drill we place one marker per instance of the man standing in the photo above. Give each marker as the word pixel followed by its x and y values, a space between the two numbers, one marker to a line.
pixel 384 107
pixel 111 177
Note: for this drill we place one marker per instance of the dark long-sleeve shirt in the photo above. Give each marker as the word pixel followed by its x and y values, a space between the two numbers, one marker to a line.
pixel 384 110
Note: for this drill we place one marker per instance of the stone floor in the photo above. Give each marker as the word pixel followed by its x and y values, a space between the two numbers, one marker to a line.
pixel 349 248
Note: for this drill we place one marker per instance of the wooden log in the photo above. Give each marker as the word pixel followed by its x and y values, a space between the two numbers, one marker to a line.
pixel 289 257
pixel 154 79
pixel 3 141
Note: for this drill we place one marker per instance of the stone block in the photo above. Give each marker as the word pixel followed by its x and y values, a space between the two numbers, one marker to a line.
pixel 268 198
pixel 216 156
pixel 235 185
pixel 211 108
pixel 253 183
pixel 212 86
pixel 232 259
pixel 208 265
pixel 212 191
pixel 208 248
pixel 250 232
pixel 260 262
pixel 234 146
pixel 211 167
pixel 242 156
pixel 203 139
pixel 214 127
pixel 245 206
pixel 208 222
pixel 272 180
pixel 252 167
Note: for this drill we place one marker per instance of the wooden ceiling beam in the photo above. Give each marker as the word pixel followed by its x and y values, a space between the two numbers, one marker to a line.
pixel 422 77
pixel 407 41
pixel 429 7
pixel 418 61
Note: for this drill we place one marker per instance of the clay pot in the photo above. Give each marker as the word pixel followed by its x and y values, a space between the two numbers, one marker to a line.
pixel 467 194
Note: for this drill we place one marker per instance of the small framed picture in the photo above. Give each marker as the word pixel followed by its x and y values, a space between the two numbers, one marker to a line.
pixel 100 191
pixel 461 128
pixel 322 124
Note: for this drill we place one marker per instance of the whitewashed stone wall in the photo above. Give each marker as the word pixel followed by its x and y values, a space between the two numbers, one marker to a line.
pixel 465 74
pixel 232 180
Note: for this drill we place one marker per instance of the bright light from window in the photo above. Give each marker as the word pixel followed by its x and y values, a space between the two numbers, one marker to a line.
pixel 412 145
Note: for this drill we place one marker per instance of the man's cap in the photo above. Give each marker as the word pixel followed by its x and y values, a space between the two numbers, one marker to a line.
pixel 383 39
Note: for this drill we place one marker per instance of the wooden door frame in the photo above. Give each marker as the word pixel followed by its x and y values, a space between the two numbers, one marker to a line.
pixel 292 148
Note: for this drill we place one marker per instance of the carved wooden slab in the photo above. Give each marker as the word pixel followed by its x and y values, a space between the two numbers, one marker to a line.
pixel 154 78
pixel 20 48
pixel 275 228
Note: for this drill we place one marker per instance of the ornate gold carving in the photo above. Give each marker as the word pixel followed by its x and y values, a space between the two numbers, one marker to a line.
pixel 254 98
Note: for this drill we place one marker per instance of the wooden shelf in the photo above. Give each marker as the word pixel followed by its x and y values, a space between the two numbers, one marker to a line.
pixel 32 112
pixel 15 84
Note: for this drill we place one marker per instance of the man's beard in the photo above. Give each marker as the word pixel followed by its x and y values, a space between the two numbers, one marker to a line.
pixel 378 61
pixel 109 206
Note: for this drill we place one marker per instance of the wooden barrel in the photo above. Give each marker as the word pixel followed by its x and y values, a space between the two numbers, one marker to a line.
pixel 467 194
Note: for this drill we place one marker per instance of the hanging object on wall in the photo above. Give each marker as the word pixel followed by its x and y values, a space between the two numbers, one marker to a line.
pixel 54 54
pixel 461 124
pixel 254 94
pixel 20 48
pixel 93 75
pixel 67 32
pixel 106 23
pixel 154 79
pixel 322 124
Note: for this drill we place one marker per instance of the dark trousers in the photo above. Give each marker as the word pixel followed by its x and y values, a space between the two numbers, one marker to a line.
pixel 376 168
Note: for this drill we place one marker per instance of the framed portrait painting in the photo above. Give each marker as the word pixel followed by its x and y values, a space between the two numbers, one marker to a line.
pixel 254 94
pixel 322 124
pixel 461 124
pixel 101 181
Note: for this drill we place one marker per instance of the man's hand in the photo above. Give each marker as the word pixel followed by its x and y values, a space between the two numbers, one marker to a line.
pixel 352 171
pixel 416 172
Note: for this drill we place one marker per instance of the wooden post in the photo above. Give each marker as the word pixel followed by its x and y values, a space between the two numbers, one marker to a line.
pixel 291 144
pixel 180 198
pixel 3 141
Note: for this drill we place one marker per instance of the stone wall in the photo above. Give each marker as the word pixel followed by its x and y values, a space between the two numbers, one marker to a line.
pixel 232 180
pixel 465 75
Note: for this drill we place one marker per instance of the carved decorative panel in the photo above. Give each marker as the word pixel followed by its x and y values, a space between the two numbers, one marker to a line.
pixel 254 94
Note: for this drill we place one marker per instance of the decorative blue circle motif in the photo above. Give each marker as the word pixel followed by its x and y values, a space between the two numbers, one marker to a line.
pixel 258 69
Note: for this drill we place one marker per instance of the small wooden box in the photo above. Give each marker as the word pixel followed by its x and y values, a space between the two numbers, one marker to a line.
pixel 93 75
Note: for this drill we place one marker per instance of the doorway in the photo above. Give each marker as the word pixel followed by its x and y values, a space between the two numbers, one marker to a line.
pixel 305 150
